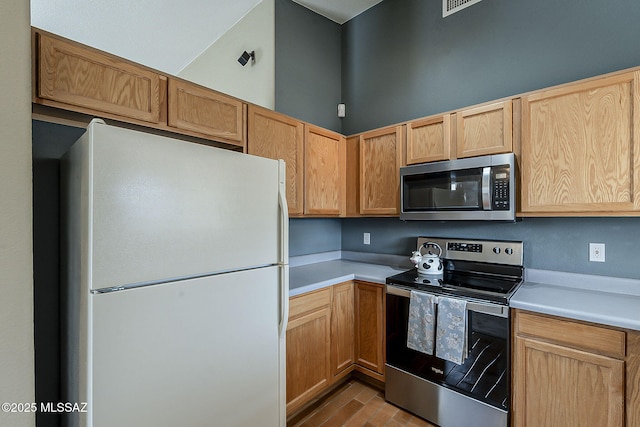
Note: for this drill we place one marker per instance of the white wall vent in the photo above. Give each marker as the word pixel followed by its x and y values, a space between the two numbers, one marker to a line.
pixel 453 6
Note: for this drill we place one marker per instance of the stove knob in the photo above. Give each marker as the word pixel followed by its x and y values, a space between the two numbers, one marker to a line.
pixel 509 251
pixel 496 250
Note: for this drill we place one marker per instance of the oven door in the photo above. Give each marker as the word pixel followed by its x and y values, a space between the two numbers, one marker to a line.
pixel 474 393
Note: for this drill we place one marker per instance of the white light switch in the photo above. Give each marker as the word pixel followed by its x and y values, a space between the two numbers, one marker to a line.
pixel 366 238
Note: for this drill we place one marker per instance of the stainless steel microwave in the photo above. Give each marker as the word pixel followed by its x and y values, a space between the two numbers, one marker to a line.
pixel 476 188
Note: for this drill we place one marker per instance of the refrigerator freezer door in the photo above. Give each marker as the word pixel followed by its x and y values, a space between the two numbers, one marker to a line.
pixel 199 352
pixel 166 209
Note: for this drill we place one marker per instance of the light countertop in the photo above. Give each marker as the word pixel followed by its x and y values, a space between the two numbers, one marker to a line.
pixel 309 277
pixel 606 300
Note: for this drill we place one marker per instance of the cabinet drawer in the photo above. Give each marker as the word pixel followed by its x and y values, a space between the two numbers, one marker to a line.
pixel 311 301
pixel 570 333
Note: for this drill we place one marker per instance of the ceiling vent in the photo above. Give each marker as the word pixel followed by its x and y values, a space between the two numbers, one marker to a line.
pixel 452 6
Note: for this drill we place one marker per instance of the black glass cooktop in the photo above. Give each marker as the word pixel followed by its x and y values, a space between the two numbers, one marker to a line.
pixel 472 280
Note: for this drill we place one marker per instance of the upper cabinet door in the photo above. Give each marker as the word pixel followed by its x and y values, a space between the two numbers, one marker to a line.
pixel 276 136
pixel 79 76
pixel 197 109
pixel 429 140
pixel 381 156
pixel 325 167
pixel 487 129
pixel 580 150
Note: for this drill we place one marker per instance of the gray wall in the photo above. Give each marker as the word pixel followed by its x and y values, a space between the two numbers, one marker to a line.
pixel 308 67
pixel 314 235
pixel 402 60
pixel 422 64
pixel 559 244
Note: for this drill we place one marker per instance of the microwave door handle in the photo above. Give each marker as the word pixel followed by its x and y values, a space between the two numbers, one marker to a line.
pixel 486 188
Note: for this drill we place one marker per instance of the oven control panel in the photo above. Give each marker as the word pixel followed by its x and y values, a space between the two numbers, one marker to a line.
pixel 491 251
pixel 464 247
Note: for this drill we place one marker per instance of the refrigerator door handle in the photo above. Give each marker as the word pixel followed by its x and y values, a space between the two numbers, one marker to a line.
pixel 284 300
pixel 284 213
pixel 284 248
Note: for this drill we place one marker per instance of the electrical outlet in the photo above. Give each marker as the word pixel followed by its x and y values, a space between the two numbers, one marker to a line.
pixel 366 238
pixel 596 252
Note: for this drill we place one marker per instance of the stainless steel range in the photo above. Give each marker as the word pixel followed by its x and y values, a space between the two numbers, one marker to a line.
pixel 480 276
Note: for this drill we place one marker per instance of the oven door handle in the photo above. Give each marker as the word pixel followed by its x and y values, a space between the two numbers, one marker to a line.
pixel 478 307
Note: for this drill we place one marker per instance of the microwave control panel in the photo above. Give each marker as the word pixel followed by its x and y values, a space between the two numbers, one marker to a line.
pixel 500 189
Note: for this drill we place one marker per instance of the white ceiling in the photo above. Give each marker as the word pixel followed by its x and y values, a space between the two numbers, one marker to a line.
pixel 162 34
pixel 339 11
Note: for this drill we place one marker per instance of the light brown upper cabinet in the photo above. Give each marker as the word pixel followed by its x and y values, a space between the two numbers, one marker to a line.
pixel 74 77
pixel 581 149
pixel 475 131
pixel 429 139
pixel 276 136
pixel 486 129
pixel 325 168
pixel 204 111
pixel 380 158
pixel 353 176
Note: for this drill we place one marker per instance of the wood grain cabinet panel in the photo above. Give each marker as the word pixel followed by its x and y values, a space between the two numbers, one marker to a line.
pixel 561 386
pixel 342 328
pixel 570 373
pixel 79 76
pixel 276 136
pixel 580 147
pixel 597 339
pixel 201 110
pixel 325 169
pixel 332 332
pixel 308 348
pixel 429 140
pixel 353 176
pixel 632 385
pixel 370 326
pixel 381 156
pixel 486 129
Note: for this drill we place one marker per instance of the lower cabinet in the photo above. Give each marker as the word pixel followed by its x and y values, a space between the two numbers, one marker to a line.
pixel 308 347
pixel 370 329
pixel 342 329
pixel 568 372
pixel 331 332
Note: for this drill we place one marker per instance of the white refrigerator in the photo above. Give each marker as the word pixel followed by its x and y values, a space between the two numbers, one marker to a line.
pixel 175 285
